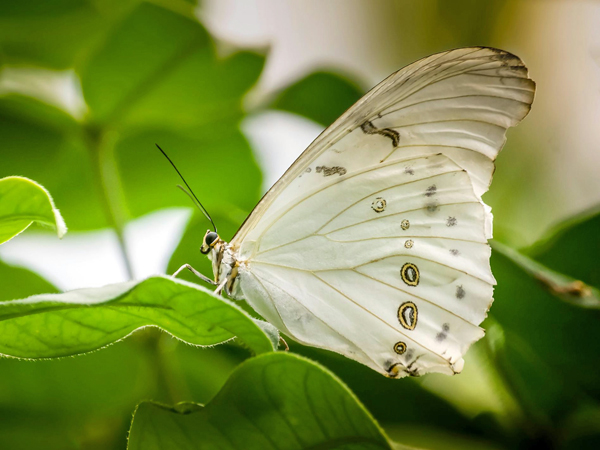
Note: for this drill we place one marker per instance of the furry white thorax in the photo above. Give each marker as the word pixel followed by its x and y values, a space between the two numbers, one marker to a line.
pixel 225 267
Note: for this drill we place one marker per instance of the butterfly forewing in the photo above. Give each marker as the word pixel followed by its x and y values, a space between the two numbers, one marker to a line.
pixel 374 242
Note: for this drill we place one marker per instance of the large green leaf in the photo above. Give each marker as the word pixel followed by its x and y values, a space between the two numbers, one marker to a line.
pixel 275 401
pixel 157 79
pixel 404 407
pixel 79 321
pixel 22 202
pixel 159 68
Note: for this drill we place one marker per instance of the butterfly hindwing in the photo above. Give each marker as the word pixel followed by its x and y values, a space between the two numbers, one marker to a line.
pixel 353 252
pixel 374 242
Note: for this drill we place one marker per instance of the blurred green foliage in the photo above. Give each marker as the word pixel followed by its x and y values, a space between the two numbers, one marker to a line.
pixel 149 72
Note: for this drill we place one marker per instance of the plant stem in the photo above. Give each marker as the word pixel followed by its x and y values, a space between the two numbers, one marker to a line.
pixel 562 286
pixel 106 174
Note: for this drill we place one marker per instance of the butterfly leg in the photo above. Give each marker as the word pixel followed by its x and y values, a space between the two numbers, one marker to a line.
pixel 220 287
pixel 195 272
pixel 285 344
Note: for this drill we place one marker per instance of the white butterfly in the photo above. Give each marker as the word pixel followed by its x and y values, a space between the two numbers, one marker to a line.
pixel 373 244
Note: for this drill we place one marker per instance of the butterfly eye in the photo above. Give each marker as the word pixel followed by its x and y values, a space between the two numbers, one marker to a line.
pixel 209 240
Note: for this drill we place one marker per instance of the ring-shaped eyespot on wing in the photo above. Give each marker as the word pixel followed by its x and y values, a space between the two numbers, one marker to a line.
pixel 408 315
pixel 410 272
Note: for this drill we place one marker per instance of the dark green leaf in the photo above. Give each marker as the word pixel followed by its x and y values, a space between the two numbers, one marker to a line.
pixel 55 33
pixel 160 68
pixel 53 325
pixel 564 338
pixel 321 96
pixel 572 247
pixel 392 402
pixel 276 401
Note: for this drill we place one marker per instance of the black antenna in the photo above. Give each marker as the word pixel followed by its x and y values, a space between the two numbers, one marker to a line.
pixel 190 194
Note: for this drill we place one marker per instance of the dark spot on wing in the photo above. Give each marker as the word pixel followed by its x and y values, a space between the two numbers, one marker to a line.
pixel 431 190
pixel 369 128
pixel 451 221
pixel 460 292
pixel 432 206
pixel 444 333
pixel 328 171
pixel 454 252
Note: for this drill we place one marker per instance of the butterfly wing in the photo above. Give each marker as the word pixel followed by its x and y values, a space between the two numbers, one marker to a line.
pixel 374 242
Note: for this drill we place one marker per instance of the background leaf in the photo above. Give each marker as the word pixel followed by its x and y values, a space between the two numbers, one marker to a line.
pixel 152 76
pixel 563 286
pixel 321 96
pixel 54 34
pixel 273 401
pixel 23 283
pixel 79 321
pixel 572 247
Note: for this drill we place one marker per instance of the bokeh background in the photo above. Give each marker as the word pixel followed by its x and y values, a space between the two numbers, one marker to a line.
pixel 234 90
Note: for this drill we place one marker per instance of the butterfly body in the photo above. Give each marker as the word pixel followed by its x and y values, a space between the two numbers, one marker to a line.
pixel 374 243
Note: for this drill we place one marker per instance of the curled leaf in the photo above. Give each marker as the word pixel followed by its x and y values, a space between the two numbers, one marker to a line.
pixel 22 202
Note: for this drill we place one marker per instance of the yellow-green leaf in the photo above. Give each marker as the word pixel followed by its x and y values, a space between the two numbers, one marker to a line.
pixel 22 202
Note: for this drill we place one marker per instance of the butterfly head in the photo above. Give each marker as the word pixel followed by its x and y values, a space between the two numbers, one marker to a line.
pixel 211 239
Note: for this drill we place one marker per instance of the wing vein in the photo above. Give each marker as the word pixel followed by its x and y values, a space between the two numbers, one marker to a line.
pixel 380 318
pixel 453 98
pixel 323 322
pixel 416 296
pixel 368 169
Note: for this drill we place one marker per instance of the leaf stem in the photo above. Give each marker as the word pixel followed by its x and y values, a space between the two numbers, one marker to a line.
pixel 106 176
pixel 562 286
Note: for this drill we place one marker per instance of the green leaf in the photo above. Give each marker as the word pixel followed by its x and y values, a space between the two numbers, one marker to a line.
pixel 153 77
pixel 38 137
pixel 79 321
pixel 23 283
pixel 159 68
pixel 572 247
pixel 22 202
pixel 321 96
pixel 420 410
pixel 563 286
pixel 54 34
pixel 561 339
pixel 274 401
